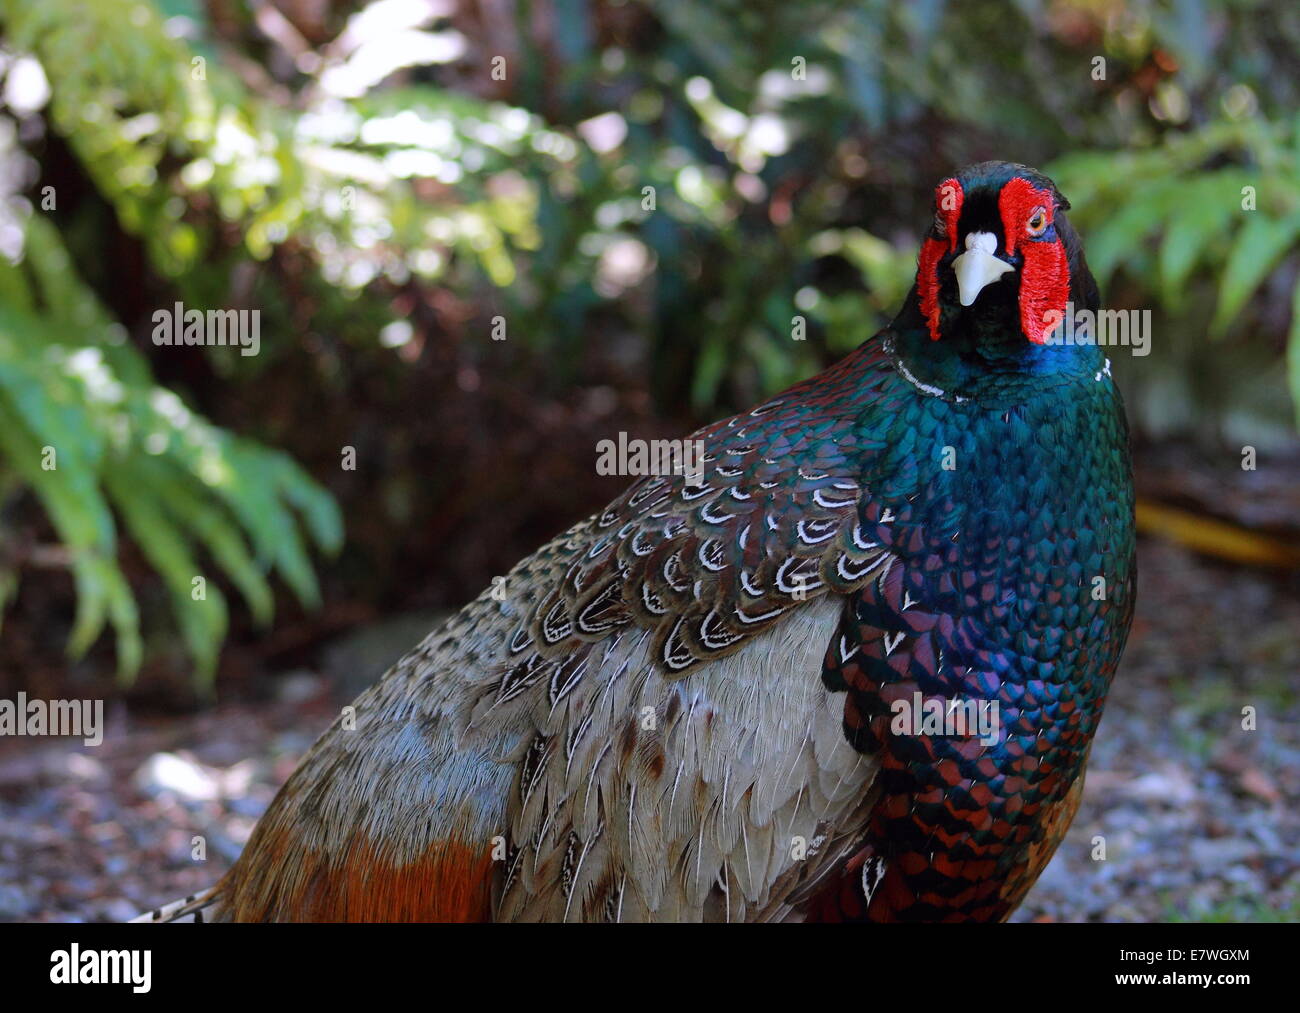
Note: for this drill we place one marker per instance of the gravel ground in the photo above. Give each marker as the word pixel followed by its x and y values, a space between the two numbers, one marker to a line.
pixel 106 833
pixel 1199 818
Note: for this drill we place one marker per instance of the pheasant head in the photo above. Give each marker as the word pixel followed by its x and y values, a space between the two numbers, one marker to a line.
pixel 1001 260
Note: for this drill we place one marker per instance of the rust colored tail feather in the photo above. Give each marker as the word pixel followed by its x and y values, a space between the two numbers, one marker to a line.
pixel 453 883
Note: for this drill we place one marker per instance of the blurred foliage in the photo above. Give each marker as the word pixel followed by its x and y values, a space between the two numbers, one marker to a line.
pixel 1219 204
pixel 83 425
pixel 646 193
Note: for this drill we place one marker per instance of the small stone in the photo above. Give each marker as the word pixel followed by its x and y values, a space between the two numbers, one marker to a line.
pixel 167 772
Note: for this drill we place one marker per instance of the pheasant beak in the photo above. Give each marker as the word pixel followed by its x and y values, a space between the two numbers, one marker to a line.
pixel 978 266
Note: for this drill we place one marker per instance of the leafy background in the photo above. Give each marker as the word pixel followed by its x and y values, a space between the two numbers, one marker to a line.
pixel 362 178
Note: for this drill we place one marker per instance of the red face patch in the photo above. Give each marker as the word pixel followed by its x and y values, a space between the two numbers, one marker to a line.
pixel 947 205
pixel 1028 213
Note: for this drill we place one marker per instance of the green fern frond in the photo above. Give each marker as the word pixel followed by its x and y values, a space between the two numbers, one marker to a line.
pixel 84 427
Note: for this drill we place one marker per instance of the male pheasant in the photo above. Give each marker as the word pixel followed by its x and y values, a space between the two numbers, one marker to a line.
pixel 725 697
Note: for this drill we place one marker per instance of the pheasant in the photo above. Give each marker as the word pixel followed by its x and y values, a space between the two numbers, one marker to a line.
pixel 738 694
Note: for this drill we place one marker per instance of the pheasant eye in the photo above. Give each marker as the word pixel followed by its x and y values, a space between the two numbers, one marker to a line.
pixel 1037 223
pixel 940 225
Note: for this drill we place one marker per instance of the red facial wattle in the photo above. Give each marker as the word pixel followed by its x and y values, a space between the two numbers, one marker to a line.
pixel 1045 270
pixel 948 198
